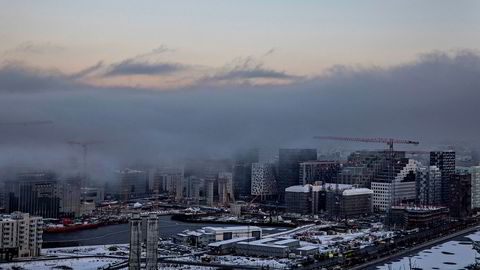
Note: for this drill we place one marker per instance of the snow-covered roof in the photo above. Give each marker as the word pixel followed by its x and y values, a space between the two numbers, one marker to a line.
pixel 298 188
pixel 229 241
pixel 285 241
pixel 307 248
pixel 306 188
pixel 357 191
pixel 233 228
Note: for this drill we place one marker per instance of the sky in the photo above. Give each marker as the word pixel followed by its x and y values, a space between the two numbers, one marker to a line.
pixel 156 79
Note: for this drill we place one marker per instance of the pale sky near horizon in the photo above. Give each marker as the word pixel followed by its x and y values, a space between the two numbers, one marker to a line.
pixel 306 36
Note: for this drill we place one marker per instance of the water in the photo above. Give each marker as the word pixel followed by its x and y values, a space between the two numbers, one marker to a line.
pixel 118 234
pixel 453 254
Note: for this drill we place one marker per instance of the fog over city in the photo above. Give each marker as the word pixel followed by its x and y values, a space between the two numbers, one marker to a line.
pixel 247 105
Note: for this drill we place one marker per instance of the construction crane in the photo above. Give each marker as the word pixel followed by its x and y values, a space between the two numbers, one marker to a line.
pixel 84 145
pixel 389 141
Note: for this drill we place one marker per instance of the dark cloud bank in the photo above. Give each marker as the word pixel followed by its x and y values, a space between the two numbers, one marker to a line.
pixel 435 98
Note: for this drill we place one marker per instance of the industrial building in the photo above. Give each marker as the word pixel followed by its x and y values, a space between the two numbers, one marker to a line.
pixel 207 235
pixel 20 235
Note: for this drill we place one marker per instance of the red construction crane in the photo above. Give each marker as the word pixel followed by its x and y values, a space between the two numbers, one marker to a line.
pixel 388 141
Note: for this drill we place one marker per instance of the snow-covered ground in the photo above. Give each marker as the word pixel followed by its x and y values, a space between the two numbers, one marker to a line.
pixel 112 250
pixel 77 264
pixel 449 255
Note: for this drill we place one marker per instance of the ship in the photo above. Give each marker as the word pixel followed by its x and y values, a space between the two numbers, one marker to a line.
pixel 67 226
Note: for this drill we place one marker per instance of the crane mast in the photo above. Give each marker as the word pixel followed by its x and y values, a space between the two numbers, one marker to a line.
pixel 84 145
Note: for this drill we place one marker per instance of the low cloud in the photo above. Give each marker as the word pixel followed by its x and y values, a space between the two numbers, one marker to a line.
pixel 431 99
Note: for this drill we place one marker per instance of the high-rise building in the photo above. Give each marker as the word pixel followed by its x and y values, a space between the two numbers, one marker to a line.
pixel 319 170
pixel 3 204
pixel 429 185
pixel 459 195
pixel 242 173
pixel 70 197
pixel 20 235
pixel 362 167
pixel 133 183
pixel 264 182
pixel 445 161
pixel 36 193
pixel 169 179
pixel 289 167
pixel 194 185
pixel 475 174
pixel 225 187
pixel 209 191
pixel 395 184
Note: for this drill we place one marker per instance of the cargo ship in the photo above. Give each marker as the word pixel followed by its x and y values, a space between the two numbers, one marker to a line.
pixel 67 226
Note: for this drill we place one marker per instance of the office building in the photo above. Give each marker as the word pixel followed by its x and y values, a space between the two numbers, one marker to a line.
pixel 133 183
pixel 169 180
pixel 20 235
pixel 395 184
pixel 475 174
pixel 264 182
pixel 318 170
pixel 70 198
pixel 429 185
pixel 289 167
pixel 36 193
pixel 445 161
pixel 209 184
pixel 242 173
pixel 349 203
pixel 225 187
pixel 460 195
pixel 194 185
pixel 362 167
pixel 412 217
